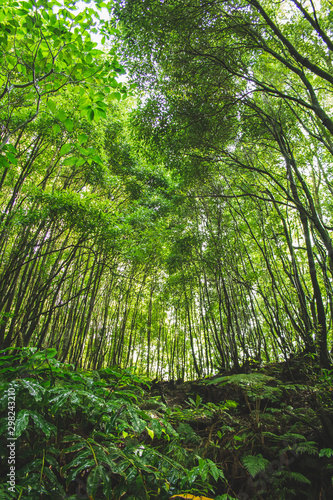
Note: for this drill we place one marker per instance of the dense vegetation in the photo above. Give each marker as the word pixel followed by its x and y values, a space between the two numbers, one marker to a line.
pixel 165 211
pixel 108 434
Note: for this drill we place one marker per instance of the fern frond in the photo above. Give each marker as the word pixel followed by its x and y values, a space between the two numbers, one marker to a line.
pixel 288 436
pixel 255 464
pixel 326 452
pixel 297 476
pixel 243 379
pixel 309 447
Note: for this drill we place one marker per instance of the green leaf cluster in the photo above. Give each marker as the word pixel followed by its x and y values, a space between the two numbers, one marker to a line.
pixel 84 431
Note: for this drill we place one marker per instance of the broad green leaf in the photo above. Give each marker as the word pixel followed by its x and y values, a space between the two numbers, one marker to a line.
pixel 44 426
pixel 65 148
pixel 11 157
pixel 80 460
pixel 150 432
pixel 21 422
pixel 44 354
pixel 60 400
pixel 116 95
pixel 72 160
pixel 71 438
pixel 69 124
pixel 52 106
pixel 61 115
pixel 56 128
pixel 215 471
pixel 82 138
pixel 34 388
pixel 80 162
pixel 75 447
pixel 51 352
pixel 93 480
pixel 83 466
pixel 101 112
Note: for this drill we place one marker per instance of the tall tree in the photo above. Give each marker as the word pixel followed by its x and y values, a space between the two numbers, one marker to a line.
pixel 242 85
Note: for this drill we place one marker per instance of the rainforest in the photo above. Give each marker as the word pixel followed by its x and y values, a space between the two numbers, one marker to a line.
pixel 166 249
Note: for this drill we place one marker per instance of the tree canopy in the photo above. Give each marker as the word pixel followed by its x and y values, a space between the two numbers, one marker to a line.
pixel 166 270
pixel 179 222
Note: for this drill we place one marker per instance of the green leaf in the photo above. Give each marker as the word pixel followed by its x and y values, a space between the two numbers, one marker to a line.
pixel 35 389
pixel 74 447
pixel 44 426
pixel 93 481
pixel 215 471
pixel 72 160
pixel 52 106
pixel 297 476
pixel 82 138
pixel 51 352
pixel 79 460
pixel 326 452
pixel 43 354
pixel 56 128
pixel 255 464
pixel 61 115
pixel 69 124
pixel 116 95
pixel 65 148
pixel 21 422
pixel 150 432
pixel 71 438
pixel 56 486
pixel 59 400
pixel 11 157
pixel 80 162
pixel 45 15
pixel 100 113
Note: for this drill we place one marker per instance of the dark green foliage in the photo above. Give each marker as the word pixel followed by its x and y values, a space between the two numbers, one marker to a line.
pixel 96 434
pixel 84 433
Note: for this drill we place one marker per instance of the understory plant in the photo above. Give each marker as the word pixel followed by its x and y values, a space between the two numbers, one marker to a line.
pixel 82 434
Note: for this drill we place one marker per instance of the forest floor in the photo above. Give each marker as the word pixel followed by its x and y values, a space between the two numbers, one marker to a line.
pixel 270 429
pixel 262 434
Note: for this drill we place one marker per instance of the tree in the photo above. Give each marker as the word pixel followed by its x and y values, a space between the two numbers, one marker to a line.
pixel 242 85
pixel 46 47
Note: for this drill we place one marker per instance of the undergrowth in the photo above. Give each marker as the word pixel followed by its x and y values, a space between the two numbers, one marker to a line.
pixel 108 434
pixel 83 435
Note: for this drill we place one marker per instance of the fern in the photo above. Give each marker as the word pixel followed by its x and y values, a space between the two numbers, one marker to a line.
pixel 255 464
pixel 288 436
pixel 326 452
pixel 297 476
pixel 186 432
pixel 309 447
pixel 243 379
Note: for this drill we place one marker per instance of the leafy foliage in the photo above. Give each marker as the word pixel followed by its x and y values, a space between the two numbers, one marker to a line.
pixel 84 432
pixel 255 464
pixel 178 224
